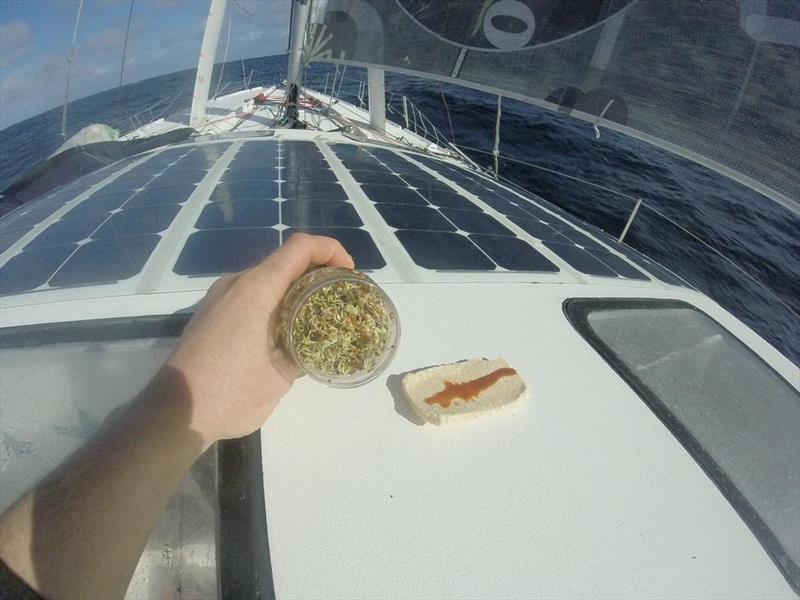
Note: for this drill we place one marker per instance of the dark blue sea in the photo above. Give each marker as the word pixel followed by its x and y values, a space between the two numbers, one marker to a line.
pixel 756 274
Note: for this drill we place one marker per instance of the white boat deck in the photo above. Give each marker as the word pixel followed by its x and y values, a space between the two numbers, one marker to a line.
pixel 579 491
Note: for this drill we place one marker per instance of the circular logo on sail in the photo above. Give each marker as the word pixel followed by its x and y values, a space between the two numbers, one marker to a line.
pixel 509 24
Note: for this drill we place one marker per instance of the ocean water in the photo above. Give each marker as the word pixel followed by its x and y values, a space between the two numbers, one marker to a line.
pixel 749 256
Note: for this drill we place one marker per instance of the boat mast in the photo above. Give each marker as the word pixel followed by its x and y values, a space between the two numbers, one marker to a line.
pixel 297 38
pixel 205 64
pixel 69 71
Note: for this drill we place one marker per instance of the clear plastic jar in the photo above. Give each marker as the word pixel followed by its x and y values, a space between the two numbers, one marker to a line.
pixel 302 291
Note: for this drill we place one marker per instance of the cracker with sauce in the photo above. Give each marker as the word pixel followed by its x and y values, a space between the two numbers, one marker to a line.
pixel 462 390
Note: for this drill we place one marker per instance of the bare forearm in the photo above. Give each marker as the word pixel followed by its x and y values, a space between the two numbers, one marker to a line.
pixel 81 531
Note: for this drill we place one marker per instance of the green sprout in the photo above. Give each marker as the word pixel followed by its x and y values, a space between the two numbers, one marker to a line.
pixel 341 329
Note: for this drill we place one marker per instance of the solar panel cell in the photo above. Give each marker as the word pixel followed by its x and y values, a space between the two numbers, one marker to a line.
pixel 67 231
pixel 313 190
pixel 238 213
pixel 443 250
pixel 448 199
pixel 513 254
pixel 393 194
pixel 99 203
pixel 138 221
pixel 404 216
pixel 297 175
pixel 106 261
pixel 382 176
pixel 475 222
pixel 28 270
pixel 241 190
pixel 303 213
pixel 620 266
pixel 235 173
pixel 10 237
pixel 357 242
pixel 580 260
pixel 174 176
pixel 216 251
pixel 174 194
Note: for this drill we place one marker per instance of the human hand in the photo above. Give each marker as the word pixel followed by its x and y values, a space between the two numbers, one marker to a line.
pixel 229 353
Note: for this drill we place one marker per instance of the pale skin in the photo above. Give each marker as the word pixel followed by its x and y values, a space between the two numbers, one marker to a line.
pixel 80 532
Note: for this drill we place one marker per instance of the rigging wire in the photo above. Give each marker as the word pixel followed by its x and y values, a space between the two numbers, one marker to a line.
pixel 69 71
pixel 651 208
pixel 224 59
pixel 125 44
pixel 449 120
pixel 122 62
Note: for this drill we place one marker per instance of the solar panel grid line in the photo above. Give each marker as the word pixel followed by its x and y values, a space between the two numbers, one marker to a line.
pixel 162 260
pixel 560 229
pixel 279 199
pixel 16 248
pixel 583 231
pixel 456 229
pixel 382 235
pixel 240 226
pixel 487 236
pixel 500 218
pixel 123 253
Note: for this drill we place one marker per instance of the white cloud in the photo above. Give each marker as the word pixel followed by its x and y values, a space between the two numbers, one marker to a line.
pixel 16 40
pixel 249 36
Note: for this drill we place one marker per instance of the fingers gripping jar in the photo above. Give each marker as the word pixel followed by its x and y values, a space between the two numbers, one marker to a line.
pixel 339 327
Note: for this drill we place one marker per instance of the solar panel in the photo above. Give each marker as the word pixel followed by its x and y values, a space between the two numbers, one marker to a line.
pixel 580 259
pixel 115 227
pixel 652 267
pixel 174 176
pixel 407 210
pixel 66 231
pixel 297 175
pixel 106 261
pixel 513 254
pixel 234 172
pixel 382 176
pixel 257 151
pixel 240 224
pixel 315 213
pixel 238 213
pixel 215 251
pixel 313 190
pixel 538 229
pixel 427 184
pixel 448 199
pixel 362 162
pixel 10 237
pixel 357 242
pixel 34 211
pixel 476 222
pixel 254 190
pixel 405 216
pixel 127 184
pixel 138 221
pixel 173 194
pixel 393 194
pixel 443 250
pixel 28 270
pixel 99 202
pixel 620 266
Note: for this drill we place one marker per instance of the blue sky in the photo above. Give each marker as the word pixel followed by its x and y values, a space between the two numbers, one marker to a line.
pixel 35 37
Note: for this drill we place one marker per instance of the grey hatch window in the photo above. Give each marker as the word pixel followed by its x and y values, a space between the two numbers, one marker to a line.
pixel 736 415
